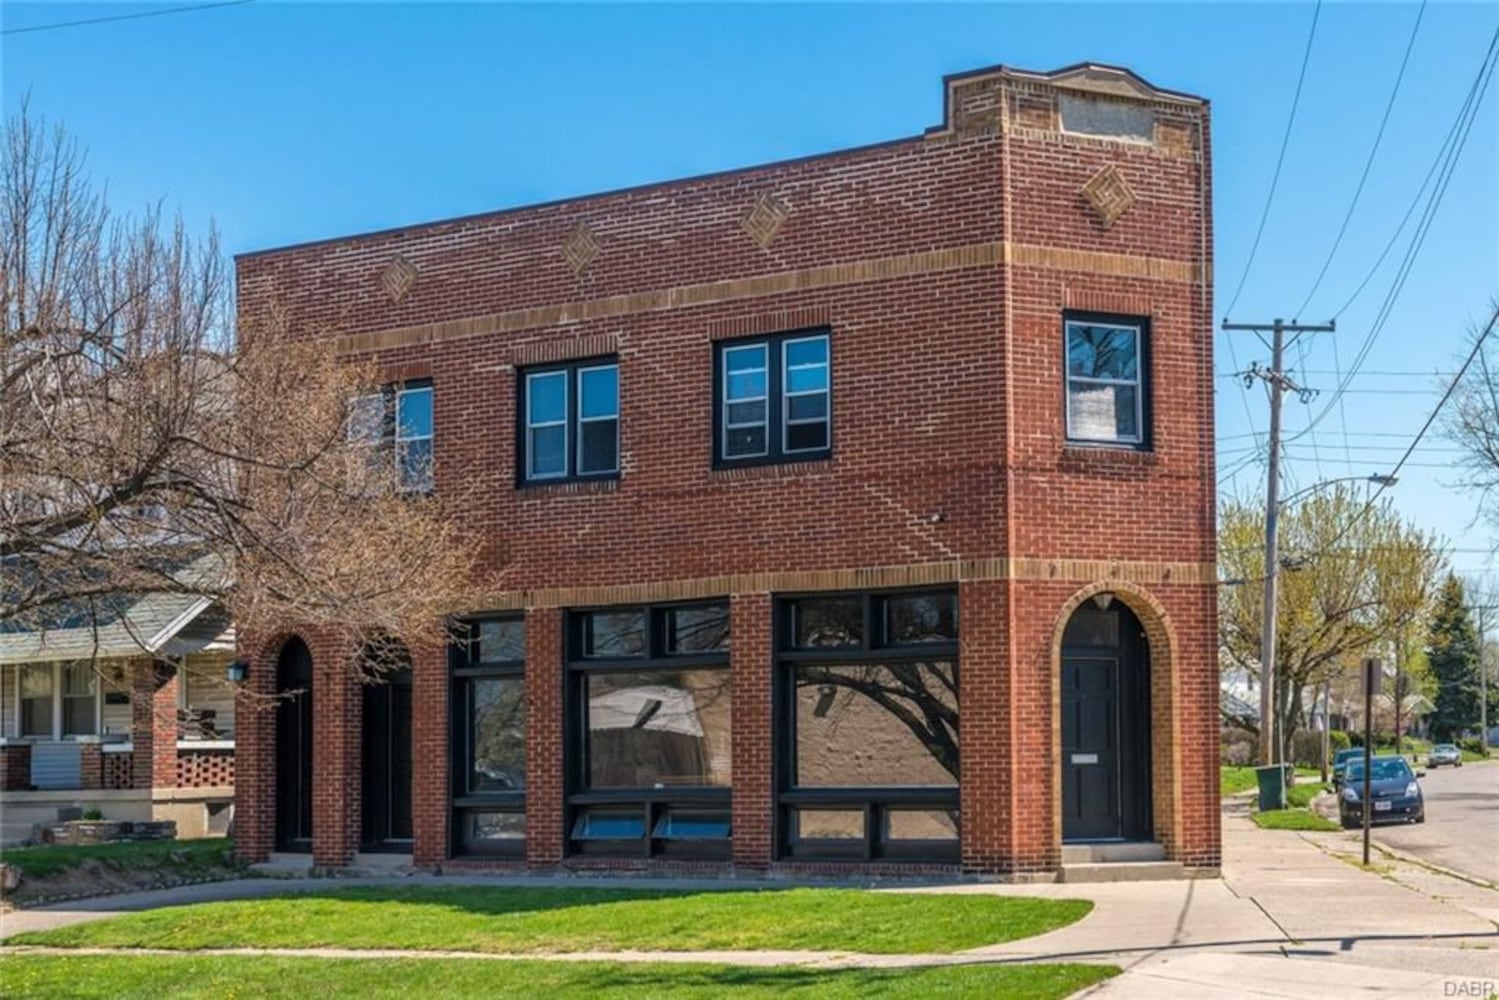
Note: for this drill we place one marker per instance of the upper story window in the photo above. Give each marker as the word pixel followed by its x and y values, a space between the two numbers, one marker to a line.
pixel 1107 394
pixel 570 421
pixel 774 399
pixel 398 422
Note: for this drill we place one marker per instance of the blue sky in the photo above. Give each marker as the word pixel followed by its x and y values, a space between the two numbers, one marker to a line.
pixel 287 122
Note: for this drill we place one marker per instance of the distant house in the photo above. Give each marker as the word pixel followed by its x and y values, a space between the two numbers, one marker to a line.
pixel 126 709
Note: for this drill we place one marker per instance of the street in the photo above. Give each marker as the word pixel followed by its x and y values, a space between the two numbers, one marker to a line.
pixel 1461 831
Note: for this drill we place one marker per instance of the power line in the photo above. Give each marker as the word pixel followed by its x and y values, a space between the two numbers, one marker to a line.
pixel 122 17
pixel 1368 162
pixel 1447 158
pixel 1285 142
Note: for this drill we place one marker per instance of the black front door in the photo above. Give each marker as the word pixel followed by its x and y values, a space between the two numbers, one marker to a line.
pixel 387 764
pixel 1105 727
pixel 294 748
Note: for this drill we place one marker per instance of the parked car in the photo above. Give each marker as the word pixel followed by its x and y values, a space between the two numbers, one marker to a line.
pixel 1444 753
pixel 1394 793
pixel 1340 761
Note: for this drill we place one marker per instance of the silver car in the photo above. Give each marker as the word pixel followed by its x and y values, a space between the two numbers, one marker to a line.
pixel 1444 753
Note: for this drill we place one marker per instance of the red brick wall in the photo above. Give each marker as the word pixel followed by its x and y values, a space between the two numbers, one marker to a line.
pixel 429 756
pixel 949 442
pixel 15 767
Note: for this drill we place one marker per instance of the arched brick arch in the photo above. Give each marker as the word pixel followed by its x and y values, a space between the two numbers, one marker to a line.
pixel 1165 726
pixel 255 744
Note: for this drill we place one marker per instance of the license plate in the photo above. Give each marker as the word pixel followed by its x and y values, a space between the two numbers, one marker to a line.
pixel 1382 807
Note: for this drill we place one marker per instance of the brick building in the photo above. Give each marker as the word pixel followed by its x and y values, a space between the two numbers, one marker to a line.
pixel 787 470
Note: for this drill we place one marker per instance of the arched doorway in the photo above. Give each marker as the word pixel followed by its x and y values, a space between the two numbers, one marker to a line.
pixel 294 748
pixel 1106 734
pixel 385 820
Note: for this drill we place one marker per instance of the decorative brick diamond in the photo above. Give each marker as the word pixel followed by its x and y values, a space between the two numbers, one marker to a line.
pixel 1109 195
pixel 764 219
pixel 397 278
pixel 580 248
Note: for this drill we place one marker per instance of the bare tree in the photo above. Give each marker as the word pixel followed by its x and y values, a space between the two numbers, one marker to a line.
pixel 147 446
pixel 1472 422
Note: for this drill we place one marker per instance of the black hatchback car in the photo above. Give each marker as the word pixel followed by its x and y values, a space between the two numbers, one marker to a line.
pixel 1394 793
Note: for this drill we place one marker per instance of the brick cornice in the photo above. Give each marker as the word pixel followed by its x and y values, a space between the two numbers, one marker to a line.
pixel 1022 569
pixel 973 255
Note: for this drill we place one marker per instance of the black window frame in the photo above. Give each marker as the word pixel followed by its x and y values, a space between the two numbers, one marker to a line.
pixel 650 805
pixel 1146 383
pixel 389 443
pixel 465 666
pixel 776 415
pixel 876 803
pixel 574 419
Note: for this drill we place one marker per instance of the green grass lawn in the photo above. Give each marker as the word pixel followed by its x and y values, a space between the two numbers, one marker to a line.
pixel 1300 795
pixel 1293 819
pixel 1232 780
pixel 49 861
pixel 216 977
pixel 530 919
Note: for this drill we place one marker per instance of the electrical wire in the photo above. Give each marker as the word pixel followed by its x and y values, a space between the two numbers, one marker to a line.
pixel 1285 142
pixel 53 26
pixel 1368 163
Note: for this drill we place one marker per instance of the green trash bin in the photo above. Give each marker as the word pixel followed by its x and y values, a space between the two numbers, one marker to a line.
pixel 1272 781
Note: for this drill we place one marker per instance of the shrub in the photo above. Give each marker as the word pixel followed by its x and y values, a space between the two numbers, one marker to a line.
pixel 1237 748
pixel 1338 740
pixel 93 815
pixel 1473 745
pixel 1306 748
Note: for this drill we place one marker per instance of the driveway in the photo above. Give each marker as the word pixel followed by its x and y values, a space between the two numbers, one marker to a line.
pixel 1462 817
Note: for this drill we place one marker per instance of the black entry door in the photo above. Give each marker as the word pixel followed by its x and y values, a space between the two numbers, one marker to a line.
pixel 387 764
pixel 294 748
pixel 1106 791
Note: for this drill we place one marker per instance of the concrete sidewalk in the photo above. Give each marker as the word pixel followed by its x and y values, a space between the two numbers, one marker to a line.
pixel 1288 919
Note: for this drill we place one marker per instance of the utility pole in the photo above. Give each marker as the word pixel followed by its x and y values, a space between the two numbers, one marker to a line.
pixel 1483 674
pixel 1270 750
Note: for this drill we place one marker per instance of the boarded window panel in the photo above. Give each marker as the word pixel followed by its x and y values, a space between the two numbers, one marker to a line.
pixel 1107 119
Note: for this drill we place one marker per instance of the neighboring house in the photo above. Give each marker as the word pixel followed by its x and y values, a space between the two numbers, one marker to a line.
pixel 854 512
pixel 129 712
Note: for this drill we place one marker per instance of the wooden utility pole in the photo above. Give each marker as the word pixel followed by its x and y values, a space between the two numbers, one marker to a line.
pixel 1271 750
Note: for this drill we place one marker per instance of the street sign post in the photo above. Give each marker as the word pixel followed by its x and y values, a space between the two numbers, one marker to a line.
pixel 1373 675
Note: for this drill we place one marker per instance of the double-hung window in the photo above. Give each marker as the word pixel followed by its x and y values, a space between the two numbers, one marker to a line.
pixel 570 421
pixel 774 399
pixel 395 423
pixel 489 736
pixel 1107 394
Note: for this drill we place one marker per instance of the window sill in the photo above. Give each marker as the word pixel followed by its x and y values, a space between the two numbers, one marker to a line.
pixel 1079 454
pixel 784 469
pixel 565 487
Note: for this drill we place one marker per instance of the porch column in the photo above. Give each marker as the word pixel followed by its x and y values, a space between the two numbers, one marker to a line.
pixel 752 741
pixel 15 766
pixel 153 724
pixel 544 738
pixel 90 765
pixel 430 757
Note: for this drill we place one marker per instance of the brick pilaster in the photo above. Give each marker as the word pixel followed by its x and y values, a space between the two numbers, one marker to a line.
pixel 91 767
pixel 985 688
pixel 430 757
pixel 544 738
pixel 164 728
pixel 753 746
pixel 337 780
pixel 255 753
pixel 15 767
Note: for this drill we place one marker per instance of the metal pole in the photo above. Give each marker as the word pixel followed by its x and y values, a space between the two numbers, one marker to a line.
pixel 1326 725
pixel 1483 676
pixel 1269 721
pixel 1371 669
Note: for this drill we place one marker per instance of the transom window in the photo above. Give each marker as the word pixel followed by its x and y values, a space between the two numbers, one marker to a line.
pixel 867 726
pixel 570 421
pixel 649 699
pixel 774 399
pixel 1106 390
pixel 487 662
pixel 396 422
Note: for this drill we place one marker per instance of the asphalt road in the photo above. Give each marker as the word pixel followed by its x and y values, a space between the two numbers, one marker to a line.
pixel 1461 831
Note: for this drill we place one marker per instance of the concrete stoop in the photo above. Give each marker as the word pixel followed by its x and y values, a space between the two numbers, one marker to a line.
pixel 1143 861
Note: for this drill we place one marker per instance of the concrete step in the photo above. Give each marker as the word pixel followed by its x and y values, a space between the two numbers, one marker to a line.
pixel 1135 850
pixel 1123 871
pixel 285 866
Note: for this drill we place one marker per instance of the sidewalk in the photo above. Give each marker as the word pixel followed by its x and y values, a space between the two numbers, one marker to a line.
pixel 1288 919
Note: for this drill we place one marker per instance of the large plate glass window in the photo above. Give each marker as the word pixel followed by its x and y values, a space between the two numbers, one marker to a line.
pixel 649 730
pixel 773 399
pixel 487 660
pixel 867 726
pixel 1106 387
pixel 570 421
